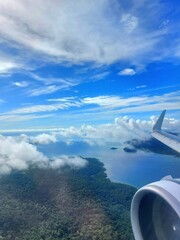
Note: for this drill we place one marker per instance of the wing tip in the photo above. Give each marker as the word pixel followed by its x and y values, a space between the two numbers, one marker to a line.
pixel 158 124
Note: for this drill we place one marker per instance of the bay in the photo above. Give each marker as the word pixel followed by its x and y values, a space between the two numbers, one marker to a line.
pixel 137 169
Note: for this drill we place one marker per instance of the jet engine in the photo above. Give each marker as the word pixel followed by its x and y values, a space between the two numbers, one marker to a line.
pixel 155 211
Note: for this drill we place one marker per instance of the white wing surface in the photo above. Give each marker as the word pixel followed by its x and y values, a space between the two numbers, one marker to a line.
pixel 168 139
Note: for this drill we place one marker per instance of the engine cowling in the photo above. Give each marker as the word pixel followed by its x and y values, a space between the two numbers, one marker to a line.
pixel 155 211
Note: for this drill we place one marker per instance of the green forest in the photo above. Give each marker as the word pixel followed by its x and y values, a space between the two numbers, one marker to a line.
pixel 67 204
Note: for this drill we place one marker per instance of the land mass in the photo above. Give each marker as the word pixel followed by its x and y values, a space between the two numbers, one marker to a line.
pixel 66 204
pixel 113 148
pixel 151 145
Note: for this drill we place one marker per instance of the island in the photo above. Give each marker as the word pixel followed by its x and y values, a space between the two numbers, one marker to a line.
pixel 113 148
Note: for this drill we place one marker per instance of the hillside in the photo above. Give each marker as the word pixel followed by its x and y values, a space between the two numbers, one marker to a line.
pixel 47 204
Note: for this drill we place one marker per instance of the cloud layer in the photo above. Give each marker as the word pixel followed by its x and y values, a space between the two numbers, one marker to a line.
pixel 18 153
pixel 93 108
pixel 122 130
pixel 58 30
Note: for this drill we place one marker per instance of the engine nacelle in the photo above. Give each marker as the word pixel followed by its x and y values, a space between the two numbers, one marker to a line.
pixel 155 211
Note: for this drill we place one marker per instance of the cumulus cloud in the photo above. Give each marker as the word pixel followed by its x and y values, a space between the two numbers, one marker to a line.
pixel 122 130
pixel 43 138
pixel 127 72
pixel 75 162
pixel 59 29
pixel 18 154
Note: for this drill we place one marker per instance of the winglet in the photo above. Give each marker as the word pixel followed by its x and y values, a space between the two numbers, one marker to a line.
pixel 158 124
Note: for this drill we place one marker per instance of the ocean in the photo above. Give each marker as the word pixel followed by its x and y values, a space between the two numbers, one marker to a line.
pixel 137 169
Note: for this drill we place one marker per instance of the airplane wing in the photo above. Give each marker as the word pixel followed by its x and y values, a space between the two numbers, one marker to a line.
pixel 168 139
pixel 155 208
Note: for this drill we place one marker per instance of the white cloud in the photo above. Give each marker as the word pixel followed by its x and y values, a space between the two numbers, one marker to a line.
pixel 117 132
pixel 62 161
pixel 24 136
pixel 123 129
pixel 18 118
pixel 102 31
pixel 18 154
pixel 114 101
pixel 7 65
pixel 65 82
pixel 105 101
pixel 143 103
pixel 39 108
pixel 44 90
pixel 48 85
pixel 45 108
pixel 93 108
pixel 100 76
pixel 65 99
pixel 127 72
pixel 43 138
pixel 21 84
pixel 141 86
pixel 130 22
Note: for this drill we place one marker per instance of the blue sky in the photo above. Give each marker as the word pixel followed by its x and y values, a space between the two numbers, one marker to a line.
pixel 68 63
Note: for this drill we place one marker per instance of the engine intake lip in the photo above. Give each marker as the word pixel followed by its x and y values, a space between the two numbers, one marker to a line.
pixel 150 198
